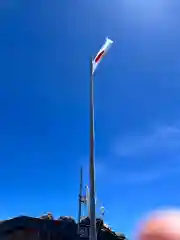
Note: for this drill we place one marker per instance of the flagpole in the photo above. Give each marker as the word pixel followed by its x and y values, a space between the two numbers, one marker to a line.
pixel 93 234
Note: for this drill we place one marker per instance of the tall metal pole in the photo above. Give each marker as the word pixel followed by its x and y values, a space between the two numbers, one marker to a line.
pixel 93 234
pixel 80 197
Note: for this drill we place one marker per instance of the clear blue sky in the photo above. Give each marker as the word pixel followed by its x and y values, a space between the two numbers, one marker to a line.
pixel 44 82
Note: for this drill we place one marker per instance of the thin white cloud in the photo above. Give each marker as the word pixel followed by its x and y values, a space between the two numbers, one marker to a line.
pixel 166 139
pixel 154 156
pixel 153 13
pixel 115 176
pixel 148 176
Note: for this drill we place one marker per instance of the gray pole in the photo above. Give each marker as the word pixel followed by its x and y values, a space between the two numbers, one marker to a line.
pixel 93 234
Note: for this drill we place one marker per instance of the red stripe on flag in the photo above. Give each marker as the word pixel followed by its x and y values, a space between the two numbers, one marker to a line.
pixel 99 56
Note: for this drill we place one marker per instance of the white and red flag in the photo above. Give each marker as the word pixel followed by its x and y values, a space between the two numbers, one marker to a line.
pixel 101 54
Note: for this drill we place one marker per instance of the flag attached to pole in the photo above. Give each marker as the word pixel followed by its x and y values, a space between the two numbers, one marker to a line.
pixel 101 54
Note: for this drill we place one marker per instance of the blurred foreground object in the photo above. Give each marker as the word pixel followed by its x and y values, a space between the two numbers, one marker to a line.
pixel 160 225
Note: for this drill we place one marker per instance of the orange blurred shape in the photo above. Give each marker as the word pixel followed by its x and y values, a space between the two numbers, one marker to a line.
pixel 160 225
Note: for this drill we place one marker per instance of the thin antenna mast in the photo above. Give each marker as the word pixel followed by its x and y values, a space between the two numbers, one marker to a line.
pixel 80 197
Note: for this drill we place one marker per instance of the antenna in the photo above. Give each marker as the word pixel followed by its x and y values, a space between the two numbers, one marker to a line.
pixel 80 197
pixel 101 208
pixel 88 201
pixel 102 212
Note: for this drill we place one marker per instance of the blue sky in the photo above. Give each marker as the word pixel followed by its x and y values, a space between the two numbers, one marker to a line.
pixel 45 48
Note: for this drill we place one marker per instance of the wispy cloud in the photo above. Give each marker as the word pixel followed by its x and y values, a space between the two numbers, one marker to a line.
pixel 115 176
pixel 148 157
pixel 163 139
pixel 148 176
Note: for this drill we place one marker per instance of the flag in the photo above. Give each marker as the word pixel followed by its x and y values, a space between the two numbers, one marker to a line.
pixel 101 54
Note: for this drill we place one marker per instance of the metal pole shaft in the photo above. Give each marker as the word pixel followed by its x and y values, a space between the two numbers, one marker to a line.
pixel 93 234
